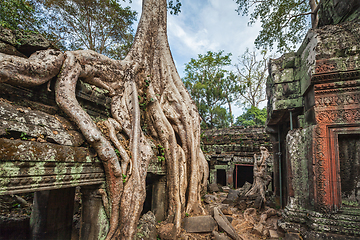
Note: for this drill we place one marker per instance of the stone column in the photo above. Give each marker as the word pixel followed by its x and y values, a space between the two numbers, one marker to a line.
pixel 213 177
pixel 230 176
pixel 52 214
pixel 94 223
pixel 159 200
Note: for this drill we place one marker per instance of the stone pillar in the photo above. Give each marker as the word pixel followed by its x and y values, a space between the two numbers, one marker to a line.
pixel 52 214
pixel 94 224
pixel 230 176
pixel 159 200
pixel 213 177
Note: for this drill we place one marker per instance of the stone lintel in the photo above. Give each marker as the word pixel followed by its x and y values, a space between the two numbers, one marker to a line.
pixel 27 166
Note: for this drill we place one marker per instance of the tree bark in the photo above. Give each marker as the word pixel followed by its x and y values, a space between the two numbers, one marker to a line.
pixel 147 91
pixel 261 177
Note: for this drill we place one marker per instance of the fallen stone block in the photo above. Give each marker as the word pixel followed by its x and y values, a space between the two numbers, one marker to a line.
pixel 213 187
pixel 259 228
pixel 225 189
pixel 199 224
pixel 210 198
pixel 232 196
pixel 224 224
pixel 273 234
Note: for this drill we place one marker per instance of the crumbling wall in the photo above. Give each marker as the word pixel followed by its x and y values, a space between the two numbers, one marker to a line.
pixel 225 148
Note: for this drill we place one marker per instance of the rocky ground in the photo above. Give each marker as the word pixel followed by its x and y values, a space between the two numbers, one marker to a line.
pixel 231 215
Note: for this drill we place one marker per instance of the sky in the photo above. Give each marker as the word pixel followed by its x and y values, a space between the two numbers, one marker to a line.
pixel 207 25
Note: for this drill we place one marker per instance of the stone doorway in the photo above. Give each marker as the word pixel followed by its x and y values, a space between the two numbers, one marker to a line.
pixel 349 160
pixel 221 177
pixel 243 173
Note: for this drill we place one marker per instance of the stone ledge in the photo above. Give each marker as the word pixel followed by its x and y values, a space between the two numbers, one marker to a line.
pixel 306 220
pixel 27 166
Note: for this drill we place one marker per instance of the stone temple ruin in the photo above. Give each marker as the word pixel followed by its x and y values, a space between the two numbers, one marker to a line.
pixel 313 132
pixel 314 122
pixel 230 153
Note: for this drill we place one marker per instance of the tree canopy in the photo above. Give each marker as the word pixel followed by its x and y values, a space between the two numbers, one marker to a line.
pixel 211 86
pixel 100 25
pixel 252 117
pixel 284 22
pixel 17 14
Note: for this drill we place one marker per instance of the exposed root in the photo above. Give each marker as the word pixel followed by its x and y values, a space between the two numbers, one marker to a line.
pixel 114 127
pixel 105 201
pixel 39 68
pixel 169 112
pixel 261 177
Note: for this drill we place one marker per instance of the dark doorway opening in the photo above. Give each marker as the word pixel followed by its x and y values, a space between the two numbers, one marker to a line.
pixel 221 177
pixel 349 158
pixel 243 173
pixel 150 180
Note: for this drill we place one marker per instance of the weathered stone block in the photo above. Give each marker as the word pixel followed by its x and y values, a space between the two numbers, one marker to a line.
pixel 232 196
pixel 225 224
pixel 213 187
pixel 199 224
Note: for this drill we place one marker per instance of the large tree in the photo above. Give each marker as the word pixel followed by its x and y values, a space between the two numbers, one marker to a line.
pixel 251 76
pixel 170 115
pixel 211 86
pixel 100 25
pixel 284 22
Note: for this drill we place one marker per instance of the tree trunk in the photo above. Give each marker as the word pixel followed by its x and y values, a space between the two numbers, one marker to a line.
pixel 261 177
pixel 147 91
pixel 314 16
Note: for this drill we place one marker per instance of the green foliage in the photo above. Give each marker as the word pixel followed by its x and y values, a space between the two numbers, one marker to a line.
pixel 284 22
pixel 161 156
pixel 252 117
pixel 23 136
pixel 211 86
pixel 17 14
pixel 174 6
pixel 124 178
pixel 100 25
pixel 117 152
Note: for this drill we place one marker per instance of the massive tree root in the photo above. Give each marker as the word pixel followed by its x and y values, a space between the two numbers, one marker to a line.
pixel 261 177
pixel 150 105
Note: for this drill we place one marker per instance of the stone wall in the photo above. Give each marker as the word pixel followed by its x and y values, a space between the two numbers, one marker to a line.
pixel 313 111
pixel 226 148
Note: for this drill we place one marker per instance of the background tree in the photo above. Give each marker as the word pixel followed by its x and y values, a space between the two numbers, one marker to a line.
pixel 18 14
pixel 100 25
pixel 252 74
pixel 252 117
pixel 211 86
pixel 284 22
